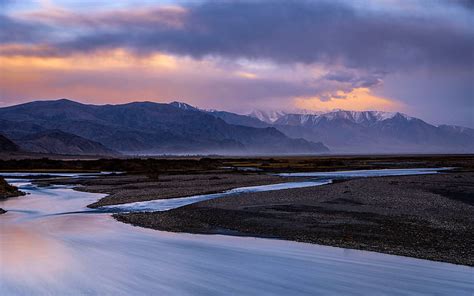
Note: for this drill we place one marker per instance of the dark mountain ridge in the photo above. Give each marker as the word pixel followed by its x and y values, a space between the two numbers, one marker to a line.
pixel 59 142
pixel 149 128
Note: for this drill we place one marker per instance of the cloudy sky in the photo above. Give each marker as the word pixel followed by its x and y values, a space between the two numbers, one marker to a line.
pixel 395 55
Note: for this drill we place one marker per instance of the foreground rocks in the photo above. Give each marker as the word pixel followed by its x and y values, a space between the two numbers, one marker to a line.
pixel 7 190
pixel 429 216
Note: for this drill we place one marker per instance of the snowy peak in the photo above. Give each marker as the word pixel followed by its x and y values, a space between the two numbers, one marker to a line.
pixel 298 119
pixel 364 116
pixel 358 117
pixel 267 116
pixel 183 106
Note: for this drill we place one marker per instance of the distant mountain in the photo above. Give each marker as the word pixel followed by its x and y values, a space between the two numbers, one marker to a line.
pixel 179 128
pixel 461 130
pixel 58 142
pixel 6 145
pixel 376 132
pixel 145 128
pixel 364 118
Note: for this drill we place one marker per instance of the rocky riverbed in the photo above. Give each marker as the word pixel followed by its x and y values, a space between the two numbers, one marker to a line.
pixel 425 216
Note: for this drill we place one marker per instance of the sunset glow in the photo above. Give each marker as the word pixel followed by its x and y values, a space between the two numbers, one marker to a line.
pixel 201 52
pixel 359 99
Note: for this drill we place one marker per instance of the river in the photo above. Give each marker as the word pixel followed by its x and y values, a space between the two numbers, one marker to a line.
pixel 51 244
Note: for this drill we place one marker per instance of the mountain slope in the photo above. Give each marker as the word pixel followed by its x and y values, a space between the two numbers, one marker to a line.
pixel 238 119
pixel 145 127
pixel 228 117
pixel 460 130
pixel 6 145
pixel 58 142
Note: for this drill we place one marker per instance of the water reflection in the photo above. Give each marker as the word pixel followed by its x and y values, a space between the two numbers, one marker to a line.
pixel 27 249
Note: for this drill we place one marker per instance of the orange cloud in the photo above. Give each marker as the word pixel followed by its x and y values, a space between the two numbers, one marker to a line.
pixel 119 75
pixel 168 15
pixel 110 59
pixel 116 75
pixel 247 75
pixel 359 99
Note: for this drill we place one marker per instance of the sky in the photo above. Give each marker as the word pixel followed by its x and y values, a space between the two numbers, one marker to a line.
pixel 414 56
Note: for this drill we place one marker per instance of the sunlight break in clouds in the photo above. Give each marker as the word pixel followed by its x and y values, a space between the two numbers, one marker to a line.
pixel 359 99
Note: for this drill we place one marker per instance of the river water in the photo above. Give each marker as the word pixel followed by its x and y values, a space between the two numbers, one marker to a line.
pixel 51 244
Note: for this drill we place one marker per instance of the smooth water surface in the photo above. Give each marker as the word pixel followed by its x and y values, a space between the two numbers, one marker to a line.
pixel 45 250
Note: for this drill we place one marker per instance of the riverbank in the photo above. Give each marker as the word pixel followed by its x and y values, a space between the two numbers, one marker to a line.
pixel 7 190
pixel 426 216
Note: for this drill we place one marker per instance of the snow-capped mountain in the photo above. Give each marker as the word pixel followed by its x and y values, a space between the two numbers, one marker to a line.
pixel 376 132
pixel 267 116
pixel 184 106
pixel 364 116
pixel 146 127
pixel 366 131
pixel 358 117
pixel 346 131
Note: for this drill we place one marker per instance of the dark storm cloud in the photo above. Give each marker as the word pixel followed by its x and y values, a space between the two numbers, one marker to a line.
pixel 327 32
pixel 355 79
pixel 293 32
pixel 12 30
pixel 469 4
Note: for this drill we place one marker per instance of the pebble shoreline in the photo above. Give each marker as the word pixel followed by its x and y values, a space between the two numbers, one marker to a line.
pixel 429 216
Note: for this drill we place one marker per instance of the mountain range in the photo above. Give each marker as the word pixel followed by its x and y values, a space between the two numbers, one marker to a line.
pixel 370 131
pixel 363 131
pixel 140 128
